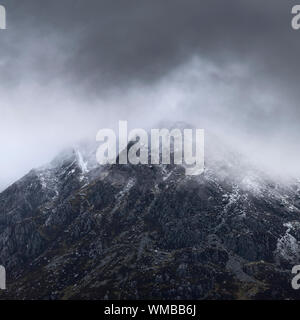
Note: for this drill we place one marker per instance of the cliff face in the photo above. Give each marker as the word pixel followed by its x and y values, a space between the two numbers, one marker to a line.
pixel 73 230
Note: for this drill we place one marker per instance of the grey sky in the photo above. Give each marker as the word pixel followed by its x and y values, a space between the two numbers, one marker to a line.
pixel 68 67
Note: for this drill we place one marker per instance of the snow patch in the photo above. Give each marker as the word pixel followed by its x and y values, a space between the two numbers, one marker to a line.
pixel 250 183
pixel 48 180
pixel 288 246
pixel 119 197
pixel 82 164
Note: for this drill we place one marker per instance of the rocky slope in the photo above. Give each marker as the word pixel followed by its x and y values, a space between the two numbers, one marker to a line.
pixel 74 230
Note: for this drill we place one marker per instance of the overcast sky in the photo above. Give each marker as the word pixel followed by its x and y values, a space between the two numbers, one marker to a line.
pixel 71 67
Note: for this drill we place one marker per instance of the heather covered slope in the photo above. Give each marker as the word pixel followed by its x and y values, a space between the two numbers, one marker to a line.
pixel 72 230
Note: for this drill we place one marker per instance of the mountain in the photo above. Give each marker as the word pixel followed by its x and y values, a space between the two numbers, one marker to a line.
pixel 76 230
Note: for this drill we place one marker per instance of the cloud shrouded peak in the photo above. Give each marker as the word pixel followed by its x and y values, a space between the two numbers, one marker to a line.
pixel 68 68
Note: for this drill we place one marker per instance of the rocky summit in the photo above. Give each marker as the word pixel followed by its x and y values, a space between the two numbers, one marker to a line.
pixel 76 230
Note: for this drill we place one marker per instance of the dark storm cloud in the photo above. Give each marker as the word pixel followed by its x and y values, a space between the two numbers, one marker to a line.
pixel 100 43
pixel 97 47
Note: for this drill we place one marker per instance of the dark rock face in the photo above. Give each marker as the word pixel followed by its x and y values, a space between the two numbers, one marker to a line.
pixel 70 231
